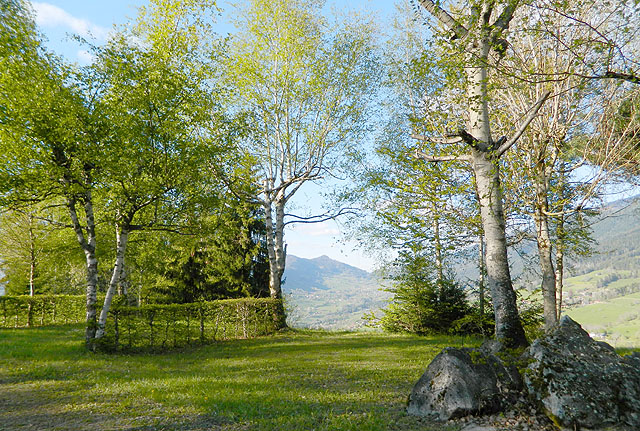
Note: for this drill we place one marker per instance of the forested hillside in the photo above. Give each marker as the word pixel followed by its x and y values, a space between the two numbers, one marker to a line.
pixel 603 294
pixel 324 293
pixel 329 294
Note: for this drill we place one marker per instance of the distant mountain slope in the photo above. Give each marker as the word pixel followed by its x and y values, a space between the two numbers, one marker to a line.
pixel 311 274
pixel 325 293
pixel 602 291
pixel 618 236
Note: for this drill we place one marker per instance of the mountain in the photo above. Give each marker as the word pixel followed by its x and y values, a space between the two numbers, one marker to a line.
pixel 601 291
pixel 312 274
pixel 325 293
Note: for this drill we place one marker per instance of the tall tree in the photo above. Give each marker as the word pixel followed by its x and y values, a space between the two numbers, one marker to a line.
pixel 477 42
pixel 553 52
pixel 159 99
pixel 306 84
pixel 50 136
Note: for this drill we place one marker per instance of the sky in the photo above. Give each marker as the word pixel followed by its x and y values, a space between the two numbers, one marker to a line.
pixel 58 20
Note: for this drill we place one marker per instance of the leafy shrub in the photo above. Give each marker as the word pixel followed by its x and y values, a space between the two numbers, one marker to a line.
pixel 39 310
pixel 474 323
pixel 161 327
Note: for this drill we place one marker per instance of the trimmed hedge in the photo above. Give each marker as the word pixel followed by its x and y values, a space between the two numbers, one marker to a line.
pixel 161 327
pixel 151 327
pixel 40 310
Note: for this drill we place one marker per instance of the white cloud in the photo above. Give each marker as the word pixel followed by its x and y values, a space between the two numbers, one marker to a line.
pixel 48 15
pixel 316 229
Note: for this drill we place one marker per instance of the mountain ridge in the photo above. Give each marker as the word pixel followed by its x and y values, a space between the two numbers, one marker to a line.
pixel 325 293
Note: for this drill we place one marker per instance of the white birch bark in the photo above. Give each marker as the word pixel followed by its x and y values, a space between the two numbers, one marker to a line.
pixel 88 245
pixel 482 270
pixel 275 237
pixel 122 235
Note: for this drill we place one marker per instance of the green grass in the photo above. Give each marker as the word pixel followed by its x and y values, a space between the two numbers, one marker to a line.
pixel 296 380
pixel 590 280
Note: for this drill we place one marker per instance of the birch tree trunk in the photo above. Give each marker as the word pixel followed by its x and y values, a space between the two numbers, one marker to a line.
pixel 275 237
pixel 122 235
pixel 486 168
pixel 543 239
pixel 482 273
pixel 88 245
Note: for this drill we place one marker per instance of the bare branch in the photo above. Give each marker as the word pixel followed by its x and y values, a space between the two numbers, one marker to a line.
pixel 319 218
pixel 444 17
pixel 469 139
pixel 533 111
pixel 448 140
pixel 427 158
pixel 632 78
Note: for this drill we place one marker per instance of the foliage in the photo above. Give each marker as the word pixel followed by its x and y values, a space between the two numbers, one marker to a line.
pixel 404 202
pixel 41 310
pixel 532 317
pixel 324 381
pixel 161 327
pixel 474 323
pixel 306 85
pixel 156 327
pixel 226 260
pixel 31 245
pixel 421 303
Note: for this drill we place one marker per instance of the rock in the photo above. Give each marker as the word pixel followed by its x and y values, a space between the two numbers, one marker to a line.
pixel 582 383
pixel 475 427
pixel 461 382
pixel 633 359
pixel 605 345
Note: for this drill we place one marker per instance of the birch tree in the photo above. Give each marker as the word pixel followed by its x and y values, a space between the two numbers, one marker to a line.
pixel 570 50
pixel 306 84
pixel 157 97
pixel 22 237
pixel 478 36
pixel 50 137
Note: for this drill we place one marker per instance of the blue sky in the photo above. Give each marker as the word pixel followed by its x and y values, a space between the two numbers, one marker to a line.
pixel 93 19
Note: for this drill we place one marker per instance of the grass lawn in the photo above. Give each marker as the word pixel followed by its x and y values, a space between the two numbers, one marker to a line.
pixel 296 380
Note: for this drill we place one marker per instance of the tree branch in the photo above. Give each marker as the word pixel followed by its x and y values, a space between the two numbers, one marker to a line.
pixel 319 218
pixel 444 17
pixel 533 111
pixel 447 140
pixel 427 158
pixel 505 17
pixel 632 78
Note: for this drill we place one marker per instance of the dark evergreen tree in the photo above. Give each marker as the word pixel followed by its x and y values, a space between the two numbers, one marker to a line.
pixel 422 303
pixel 228 260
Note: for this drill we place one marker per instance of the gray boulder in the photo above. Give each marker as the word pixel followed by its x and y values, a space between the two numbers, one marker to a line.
pixel 462 382
pixel 581 382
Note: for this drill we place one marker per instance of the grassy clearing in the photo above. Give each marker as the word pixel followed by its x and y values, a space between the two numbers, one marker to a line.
pixel 298 380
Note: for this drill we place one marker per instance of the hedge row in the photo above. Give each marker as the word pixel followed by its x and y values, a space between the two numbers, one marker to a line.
pixel 159 327
pixel 29 311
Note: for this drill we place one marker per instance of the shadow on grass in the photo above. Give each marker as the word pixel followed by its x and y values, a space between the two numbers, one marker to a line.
pixel 291 381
